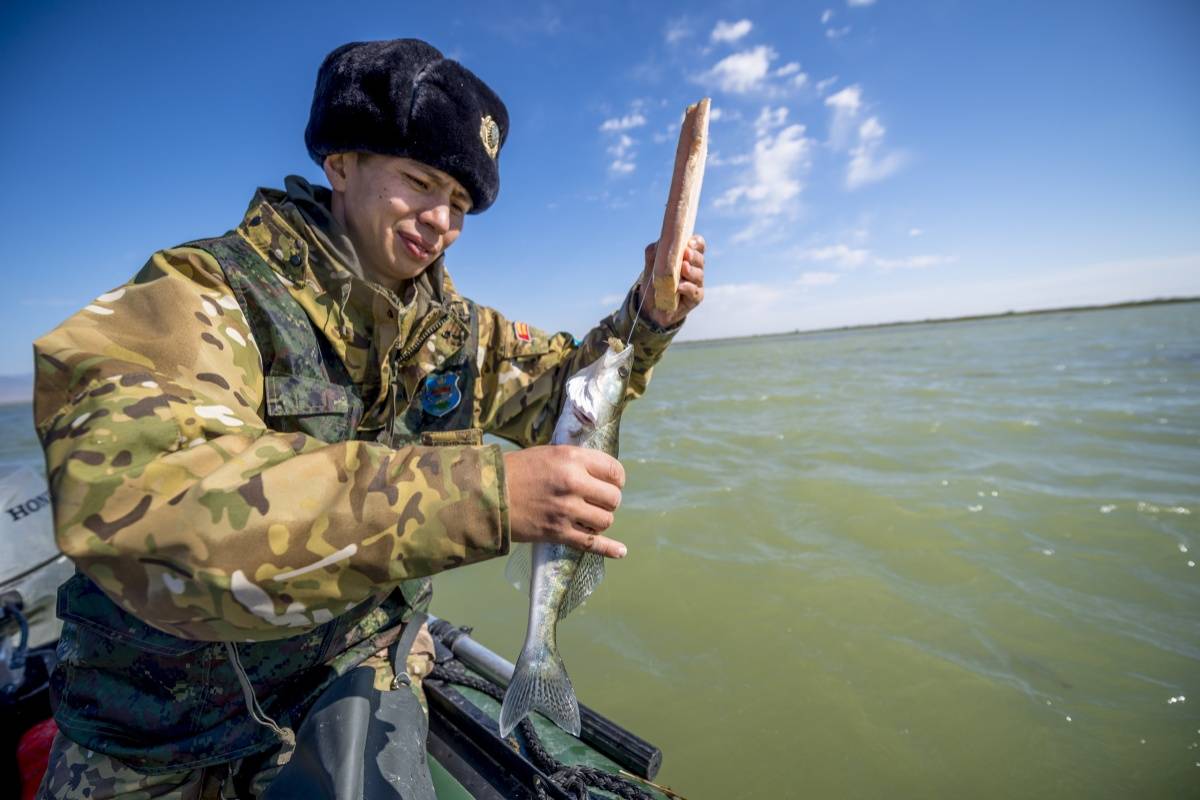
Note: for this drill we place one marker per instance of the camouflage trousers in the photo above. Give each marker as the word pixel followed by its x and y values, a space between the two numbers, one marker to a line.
pixel 74 772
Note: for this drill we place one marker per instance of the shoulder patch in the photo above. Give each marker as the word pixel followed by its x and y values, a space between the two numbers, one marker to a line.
pixel 521 331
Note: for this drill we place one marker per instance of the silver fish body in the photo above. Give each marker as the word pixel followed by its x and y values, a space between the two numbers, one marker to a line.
pixel 561 577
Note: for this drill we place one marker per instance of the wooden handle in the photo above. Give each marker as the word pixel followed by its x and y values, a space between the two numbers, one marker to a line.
pixel 679 221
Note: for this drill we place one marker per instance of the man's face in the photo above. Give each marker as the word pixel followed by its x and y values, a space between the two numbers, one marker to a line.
pixel 400 213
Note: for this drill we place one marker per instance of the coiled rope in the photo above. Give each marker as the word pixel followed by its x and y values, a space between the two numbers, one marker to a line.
pixel 574 780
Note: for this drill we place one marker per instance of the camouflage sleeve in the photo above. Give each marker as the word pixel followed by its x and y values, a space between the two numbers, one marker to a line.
pixel 522 370
pixel 172 494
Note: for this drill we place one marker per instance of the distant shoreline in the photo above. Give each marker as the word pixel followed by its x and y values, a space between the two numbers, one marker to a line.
pixel 1158 301
pixel 1161 301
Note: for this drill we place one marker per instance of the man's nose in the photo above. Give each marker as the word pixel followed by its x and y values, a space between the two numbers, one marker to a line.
pixel 437 216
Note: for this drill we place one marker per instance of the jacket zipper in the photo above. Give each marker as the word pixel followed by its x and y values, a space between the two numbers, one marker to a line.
pixel 405 355
pixel 422 339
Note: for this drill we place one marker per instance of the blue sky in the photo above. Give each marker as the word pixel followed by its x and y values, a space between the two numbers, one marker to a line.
pixel 869 161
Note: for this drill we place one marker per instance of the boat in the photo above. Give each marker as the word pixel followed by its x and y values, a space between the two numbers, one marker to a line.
pixel 467 756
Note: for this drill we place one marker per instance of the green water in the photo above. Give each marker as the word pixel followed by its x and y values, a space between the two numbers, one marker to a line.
pixel 928 561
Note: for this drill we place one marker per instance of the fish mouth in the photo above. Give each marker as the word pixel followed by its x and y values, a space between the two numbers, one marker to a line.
pixel 583 417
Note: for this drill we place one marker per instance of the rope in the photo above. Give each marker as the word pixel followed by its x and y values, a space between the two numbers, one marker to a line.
pixel 574 780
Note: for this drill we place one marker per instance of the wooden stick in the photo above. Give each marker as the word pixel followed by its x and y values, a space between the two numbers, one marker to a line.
pixel 683 200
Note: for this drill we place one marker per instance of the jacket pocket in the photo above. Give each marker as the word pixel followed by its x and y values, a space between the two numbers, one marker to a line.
pixel 122 677
pixel 328 411
pixel 83 602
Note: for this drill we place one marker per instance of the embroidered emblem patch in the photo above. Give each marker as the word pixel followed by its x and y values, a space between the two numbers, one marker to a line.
pixel 489 133
pixel 441 395
pixel 521 329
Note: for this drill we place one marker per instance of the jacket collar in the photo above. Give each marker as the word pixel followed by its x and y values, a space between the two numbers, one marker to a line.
pixel 365 323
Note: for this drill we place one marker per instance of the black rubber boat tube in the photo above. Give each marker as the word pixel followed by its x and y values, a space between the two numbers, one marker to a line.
pixel 625 748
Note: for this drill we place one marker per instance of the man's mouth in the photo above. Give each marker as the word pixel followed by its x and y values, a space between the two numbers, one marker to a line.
pixel 416 247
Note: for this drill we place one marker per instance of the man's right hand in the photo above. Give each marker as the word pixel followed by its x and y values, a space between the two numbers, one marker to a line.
pixel 565 495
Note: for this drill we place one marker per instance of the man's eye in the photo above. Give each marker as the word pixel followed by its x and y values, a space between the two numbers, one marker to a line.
pixel 417 182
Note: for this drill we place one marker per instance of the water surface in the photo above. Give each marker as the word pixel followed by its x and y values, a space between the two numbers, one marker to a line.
pixel 922 561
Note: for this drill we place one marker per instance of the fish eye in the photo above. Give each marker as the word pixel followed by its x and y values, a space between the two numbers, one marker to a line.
pixel 623 372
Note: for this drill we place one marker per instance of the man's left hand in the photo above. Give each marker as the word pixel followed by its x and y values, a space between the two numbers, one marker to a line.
pixel 691 284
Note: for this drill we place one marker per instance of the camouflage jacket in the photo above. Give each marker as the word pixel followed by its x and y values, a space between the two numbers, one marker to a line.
pixel 168 485
pixel 187 510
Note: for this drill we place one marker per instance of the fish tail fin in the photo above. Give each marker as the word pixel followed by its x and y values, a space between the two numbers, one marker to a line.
pixel 540 683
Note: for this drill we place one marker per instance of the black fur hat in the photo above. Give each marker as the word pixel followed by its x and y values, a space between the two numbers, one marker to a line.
pixel 402 98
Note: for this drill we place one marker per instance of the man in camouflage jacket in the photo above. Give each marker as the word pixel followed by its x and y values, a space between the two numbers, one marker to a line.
pixel 261 446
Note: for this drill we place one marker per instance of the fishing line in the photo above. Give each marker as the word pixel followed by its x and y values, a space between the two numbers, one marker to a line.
pixel 637 315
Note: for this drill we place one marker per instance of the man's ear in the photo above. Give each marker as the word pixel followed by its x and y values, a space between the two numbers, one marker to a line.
pixel 337 167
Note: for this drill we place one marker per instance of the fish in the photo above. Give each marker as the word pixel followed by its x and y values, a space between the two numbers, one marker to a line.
pixel 560 577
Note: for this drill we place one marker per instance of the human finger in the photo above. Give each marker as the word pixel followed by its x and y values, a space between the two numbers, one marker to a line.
pixel 591 542
pixel 603 466
pixel 599 493
pixel 693 273
pixel 691 295
pixel 694 257
pixel 697 243
pixel 590 517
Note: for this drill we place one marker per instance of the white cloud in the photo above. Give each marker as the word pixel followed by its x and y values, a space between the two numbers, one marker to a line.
pixel 623 144
pixel 677 30
pixel 837 33
pixel 715 114
pixel 779 162
pixel 818 278
pixel 826 15
pixel 787 69
pixel 756 308
pixel 846 105
pixel 825 84
pixel 840 255
pixel 731 31
pixel 770 118
pixel 915 231
pixel 741 72
pixel 845 257
pixel 860 3
pixel 715 159
pixel 622 153
pixel 668 133
pixel 914 262
pixel 800 80
pixel 849 98
pixel 624 123
pixel 868 162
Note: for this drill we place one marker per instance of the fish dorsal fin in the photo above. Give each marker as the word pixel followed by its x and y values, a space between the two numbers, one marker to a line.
pixel 588 575
pixel 519 566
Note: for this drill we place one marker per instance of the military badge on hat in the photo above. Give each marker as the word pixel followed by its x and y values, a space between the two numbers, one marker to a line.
pixel 441 395
pixel 489 133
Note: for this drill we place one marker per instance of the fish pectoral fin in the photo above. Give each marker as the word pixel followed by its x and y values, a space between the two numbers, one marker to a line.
pixel 519 566
pixel 588 575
